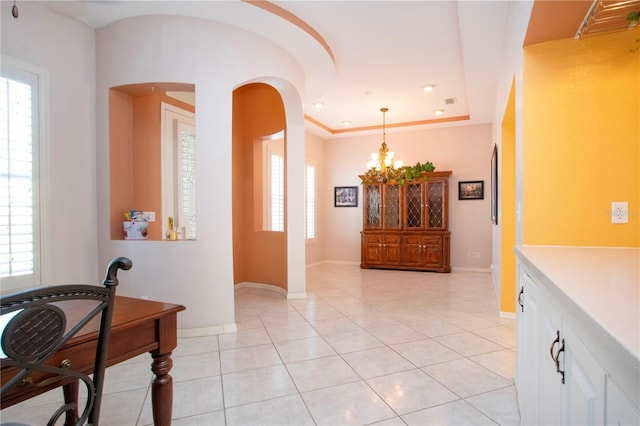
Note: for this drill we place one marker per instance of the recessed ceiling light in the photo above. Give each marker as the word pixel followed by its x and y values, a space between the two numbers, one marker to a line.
pixel 318 104
pixel 346 122
pixel 438 111
pixel 428 87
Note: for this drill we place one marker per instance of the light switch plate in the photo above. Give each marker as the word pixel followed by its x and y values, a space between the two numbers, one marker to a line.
pixel 620 212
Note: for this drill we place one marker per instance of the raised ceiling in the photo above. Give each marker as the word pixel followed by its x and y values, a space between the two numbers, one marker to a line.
pixel 359 56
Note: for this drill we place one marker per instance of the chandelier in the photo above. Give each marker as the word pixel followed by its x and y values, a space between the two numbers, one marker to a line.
pixel 381 167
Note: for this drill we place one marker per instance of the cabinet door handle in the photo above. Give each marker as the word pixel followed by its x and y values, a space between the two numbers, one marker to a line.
pixel 556 357
pixel 557 360
pixel 520 299
pixel 556 340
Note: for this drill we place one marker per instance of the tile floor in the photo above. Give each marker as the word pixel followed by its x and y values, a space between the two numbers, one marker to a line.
pixel 365 347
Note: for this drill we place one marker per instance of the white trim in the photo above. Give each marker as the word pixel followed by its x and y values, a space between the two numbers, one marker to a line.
pixel 464 269
pixel 42 247
pixel 207 331
pixel 342 262
pixel 261 286
pixel 270 287
pixel 335 262
pixel 293 296
pixel 508 315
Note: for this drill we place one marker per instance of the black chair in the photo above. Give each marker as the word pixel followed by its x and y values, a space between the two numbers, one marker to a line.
pixel 38 328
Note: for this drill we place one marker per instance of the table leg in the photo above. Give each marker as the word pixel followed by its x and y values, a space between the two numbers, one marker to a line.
pixel 162 389
pixel 70 392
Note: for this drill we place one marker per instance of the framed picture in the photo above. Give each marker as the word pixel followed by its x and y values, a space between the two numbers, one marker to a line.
pixel 471 190
pixel 345 196
pixel 494 185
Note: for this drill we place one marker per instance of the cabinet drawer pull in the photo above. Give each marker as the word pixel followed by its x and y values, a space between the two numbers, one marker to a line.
pixel 520 299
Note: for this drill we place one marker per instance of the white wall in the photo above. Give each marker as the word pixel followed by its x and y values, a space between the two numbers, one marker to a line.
pixel 64 49
pixel 465 150
pixel 517 21
pixel 216 58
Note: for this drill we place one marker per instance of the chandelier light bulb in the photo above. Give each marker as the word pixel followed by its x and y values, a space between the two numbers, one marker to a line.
pixel 382 168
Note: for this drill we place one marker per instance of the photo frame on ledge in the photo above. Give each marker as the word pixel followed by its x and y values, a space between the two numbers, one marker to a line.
pixel 471 190
pixel 345 196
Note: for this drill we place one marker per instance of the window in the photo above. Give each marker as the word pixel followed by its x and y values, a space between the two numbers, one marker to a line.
pixel 277 192
pixel 178 170
pixel 19 166
pixel 271 169
pixel 187 182
pixel 310 202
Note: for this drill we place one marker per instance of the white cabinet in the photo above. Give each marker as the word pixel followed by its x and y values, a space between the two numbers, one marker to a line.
pixel 565 373
pixel 584 391
pixel 618 409
pixel 550 352
pixel 527 344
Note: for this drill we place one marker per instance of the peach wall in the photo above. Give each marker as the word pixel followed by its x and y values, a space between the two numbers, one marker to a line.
pixel 465 150
pixel 581 133
pixel 135 154
pixel 120 159
pixel 147 167
pixel 258 256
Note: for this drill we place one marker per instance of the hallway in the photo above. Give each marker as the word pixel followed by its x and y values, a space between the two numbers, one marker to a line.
pixel 365 347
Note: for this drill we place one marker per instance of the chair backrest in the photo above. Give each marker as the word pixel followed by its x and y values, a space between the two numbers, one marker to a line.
pixel 39 322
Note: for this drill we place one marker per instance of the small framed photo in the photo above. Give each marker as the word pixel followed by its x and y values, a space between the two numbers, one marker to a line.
pixel 345 196
pixel 471 190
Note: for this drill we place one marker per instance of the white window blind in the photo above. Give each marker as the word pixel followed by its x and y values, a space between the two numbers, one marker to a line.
pixel 19 220
pixel 277 192
pixel 310 202
pixel 178 158
pixel 187 181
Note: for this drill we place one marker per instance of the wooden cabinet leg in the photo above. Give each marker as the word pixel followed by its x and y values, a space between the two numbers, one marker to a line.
pixel 70 392
pixel 162 389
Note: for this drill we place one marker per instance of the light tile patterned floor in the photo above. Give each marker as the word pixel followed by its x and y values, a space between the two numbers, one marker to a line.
pixel 365 347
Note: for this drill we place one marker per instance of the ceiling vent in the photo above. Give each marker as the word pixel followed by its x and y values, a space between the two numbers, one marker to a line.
pixel 451 101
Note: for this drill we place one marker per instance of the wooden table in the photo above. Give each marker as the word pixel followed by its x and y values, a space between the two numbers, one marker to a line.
pixel 138 326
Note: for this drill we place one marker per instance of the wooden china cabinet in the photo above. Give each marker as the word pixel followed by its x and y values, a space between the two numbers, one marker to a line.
pixel 407 226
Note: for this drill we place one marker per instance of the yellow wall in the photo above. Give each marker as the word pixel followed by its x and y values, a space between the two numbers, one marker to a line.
pixel 581 140
pixel 508 206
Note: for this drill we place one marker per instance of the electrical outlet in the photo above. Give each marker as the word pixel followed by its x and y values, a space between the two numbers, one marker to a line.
pixel 620 212
pixel 476 254
pixel 150 216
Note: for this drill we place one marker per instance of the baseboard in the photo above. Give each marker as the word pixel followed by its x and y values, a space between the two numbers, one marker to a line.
pixel 207 331
pixel 342 262
pixel 508 315
pixel 269 287
pixel 333 262
pixel 261 286
pixel 465 269
pixel 293 296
